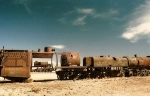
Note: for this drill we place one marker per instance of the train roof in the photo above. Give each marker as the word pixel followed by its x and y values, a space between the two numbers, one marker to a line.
pixel 16 50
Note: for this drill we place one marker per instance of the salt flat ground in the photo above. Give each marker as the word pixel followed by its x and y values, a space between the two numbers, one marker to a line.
pixel 43 76
pixel 40 76
pixel 125 86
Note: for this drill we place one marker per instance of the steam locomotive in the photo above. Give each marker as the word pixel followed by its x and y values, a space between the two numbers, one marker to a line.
pixel 101 66
pixel 16 65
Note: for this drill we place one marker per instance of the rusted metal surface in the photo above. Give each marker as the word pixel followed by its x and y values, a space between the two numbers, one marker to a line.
pixel 100 61
pixel 70 59
pixel 42 54
pixel 40 64
pixel 48 49
pixel 70 67
pixel 133 62
pixel 87 61
pixel 48 53
pixel 137 62
pixel 144 62
pixel 16 63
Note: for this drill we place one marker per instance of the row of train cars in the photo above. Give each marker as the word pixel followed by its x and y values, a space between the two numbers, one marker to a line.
pixel 16 65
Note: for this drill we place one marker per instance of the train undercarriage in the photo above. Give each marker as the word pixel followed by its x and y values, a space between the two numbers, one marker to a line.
pixel 75 73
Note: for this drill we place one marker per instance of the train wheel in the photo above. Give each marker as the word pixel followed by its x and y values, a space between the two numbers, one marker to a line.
pixel 29 80
pixel 58 77
pixel 127 73
pixel 16 79
pixel 121 73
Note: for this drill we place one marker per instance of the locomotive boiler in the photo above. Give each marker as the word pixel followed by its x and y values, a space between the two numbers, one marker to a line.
pixel 70 59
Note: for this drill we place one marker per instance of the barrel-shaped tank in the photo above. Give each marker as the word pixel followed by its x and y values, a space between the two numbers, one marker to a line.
pixel 70 59
pixel 133 62
pixel 40 64
pixel 102 61
pixel 144 62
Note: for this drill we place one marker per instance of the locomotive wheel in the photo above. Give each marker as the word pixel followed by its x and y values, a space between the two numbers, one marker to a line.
pixel 121 73
pixel 63 75
pixel 144 72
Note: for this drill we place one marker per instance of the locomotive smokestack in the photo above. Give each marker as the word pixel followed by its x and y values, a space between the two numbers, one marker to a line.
pixel 39 50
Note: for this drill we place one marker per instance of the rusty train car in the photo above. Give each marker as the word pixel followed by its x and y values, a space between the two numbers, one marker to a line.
pixel 101 66
pixel 16 65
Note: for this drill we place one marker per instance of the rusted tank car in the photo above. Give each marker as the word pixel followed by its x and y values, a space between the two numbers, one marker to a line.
pixel 101 66
pixel 139 66
pixel 103 61
pixel 15 64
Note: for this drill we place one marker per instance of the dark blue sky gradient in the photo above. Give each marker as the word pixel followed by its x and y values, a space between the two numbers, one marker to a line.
pixel 89 27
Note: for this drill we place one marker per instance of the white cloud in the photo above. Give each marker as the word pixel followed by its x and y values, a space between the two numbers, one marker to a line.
pixel 109 13
pixel 139 27
pixel 25 4
pixel 58 46
pixel 86 11
pixel 80 20
pixel 82 14
pixel 91 13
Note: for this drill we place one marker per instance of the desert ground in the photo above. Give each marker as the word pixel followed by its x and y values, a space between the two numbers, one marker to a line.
pixel 125 86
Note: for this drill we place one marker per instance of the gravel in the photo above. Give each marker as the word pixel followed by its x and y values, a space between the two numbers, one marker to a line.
pixel 125 86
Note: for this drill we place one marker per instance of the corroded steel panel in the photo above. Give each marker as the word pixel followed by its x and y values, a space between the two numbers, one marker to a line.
pixel 42 54
pixel 109 62
pixel 144 61
pixel 87 61
pixel 139 62
pixel 17 63
pixel 133 61
pixel 16 72
pixel 40 64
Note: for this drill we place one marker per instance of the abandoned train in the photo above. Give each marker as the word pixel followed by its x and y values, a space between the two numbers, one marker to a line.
pixel 16 65
pixel 101 66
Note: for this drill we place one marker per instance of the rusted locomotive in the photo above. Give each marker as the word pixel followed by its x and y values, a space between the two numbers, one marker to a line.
pixel 16 65
pixel 101 66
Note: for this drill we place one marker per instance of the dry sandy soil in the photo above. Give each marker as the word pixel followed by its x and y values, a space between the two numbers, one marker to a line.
pixel 132 86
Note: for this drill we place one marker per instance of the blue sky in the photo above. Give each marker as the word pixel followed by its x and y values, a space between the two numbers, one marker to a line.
pixel 90 27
